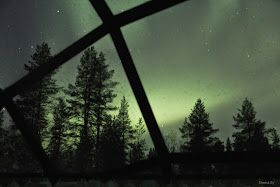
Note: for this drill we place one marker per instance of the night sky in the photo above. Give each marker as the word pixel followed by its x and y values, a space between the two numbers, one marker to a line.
pixel 219 51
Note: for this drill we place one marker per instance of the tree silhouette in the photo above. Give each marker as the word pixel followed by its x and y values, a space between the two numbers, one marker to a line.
pixel 90 100
pixel 252 134
pixel 35 102
pixel 198 132
pixel 123 120
pixel 58 131
pixel 138 148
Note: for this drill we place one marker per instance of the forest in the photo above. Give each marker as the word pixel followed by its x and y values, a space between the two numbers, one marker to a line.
pixel 79 133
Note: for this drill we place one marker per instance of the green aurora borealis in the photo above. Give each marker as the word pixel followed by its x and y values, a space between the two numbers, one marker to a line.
pixel 219 51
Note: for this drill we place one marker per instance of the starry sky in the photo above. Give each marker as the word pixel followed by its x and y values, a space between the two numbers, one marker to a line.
pixel 219 51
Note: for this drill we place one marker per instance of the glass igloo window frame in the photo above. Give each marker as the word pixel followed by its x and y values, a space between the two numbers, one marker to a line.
pixel 112 25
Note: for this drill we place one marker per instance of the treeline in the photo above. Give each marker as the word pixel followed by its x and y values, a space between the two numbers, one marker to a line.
pixel 77 131
pixel 251 133
pixel 198 136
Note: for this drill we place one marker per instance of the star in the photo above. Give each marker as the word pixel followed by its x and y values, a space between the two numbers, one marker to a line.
pixel 57 11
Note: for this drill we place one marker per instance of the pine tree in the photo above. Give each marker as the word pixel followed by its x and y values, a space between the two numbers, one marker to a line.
pixel 128 133
pixel 228 145
pixel 139 130
pixel 35 102
pixel 252 134
pixel 138 148
pixel 198 130
pixel 58 131
pixel 90 101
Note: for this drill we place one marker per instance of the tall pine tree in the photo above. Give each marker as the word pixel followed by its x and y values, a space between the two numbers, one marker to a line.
pixel 251 135
pixel 123 120
pixel 138 148
pixel 35 102
pixel 91 99
pixel 58 131
pixel 198 131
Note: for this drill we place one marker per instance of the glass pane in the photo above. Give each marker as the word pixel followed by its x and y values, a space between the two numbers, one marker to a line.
pixel 27 24
pixel 220 52
pixel 123 5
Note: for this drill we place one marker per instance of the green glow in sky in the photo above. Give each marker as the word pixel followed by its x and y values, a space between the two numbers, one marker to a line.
pixel 219 51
